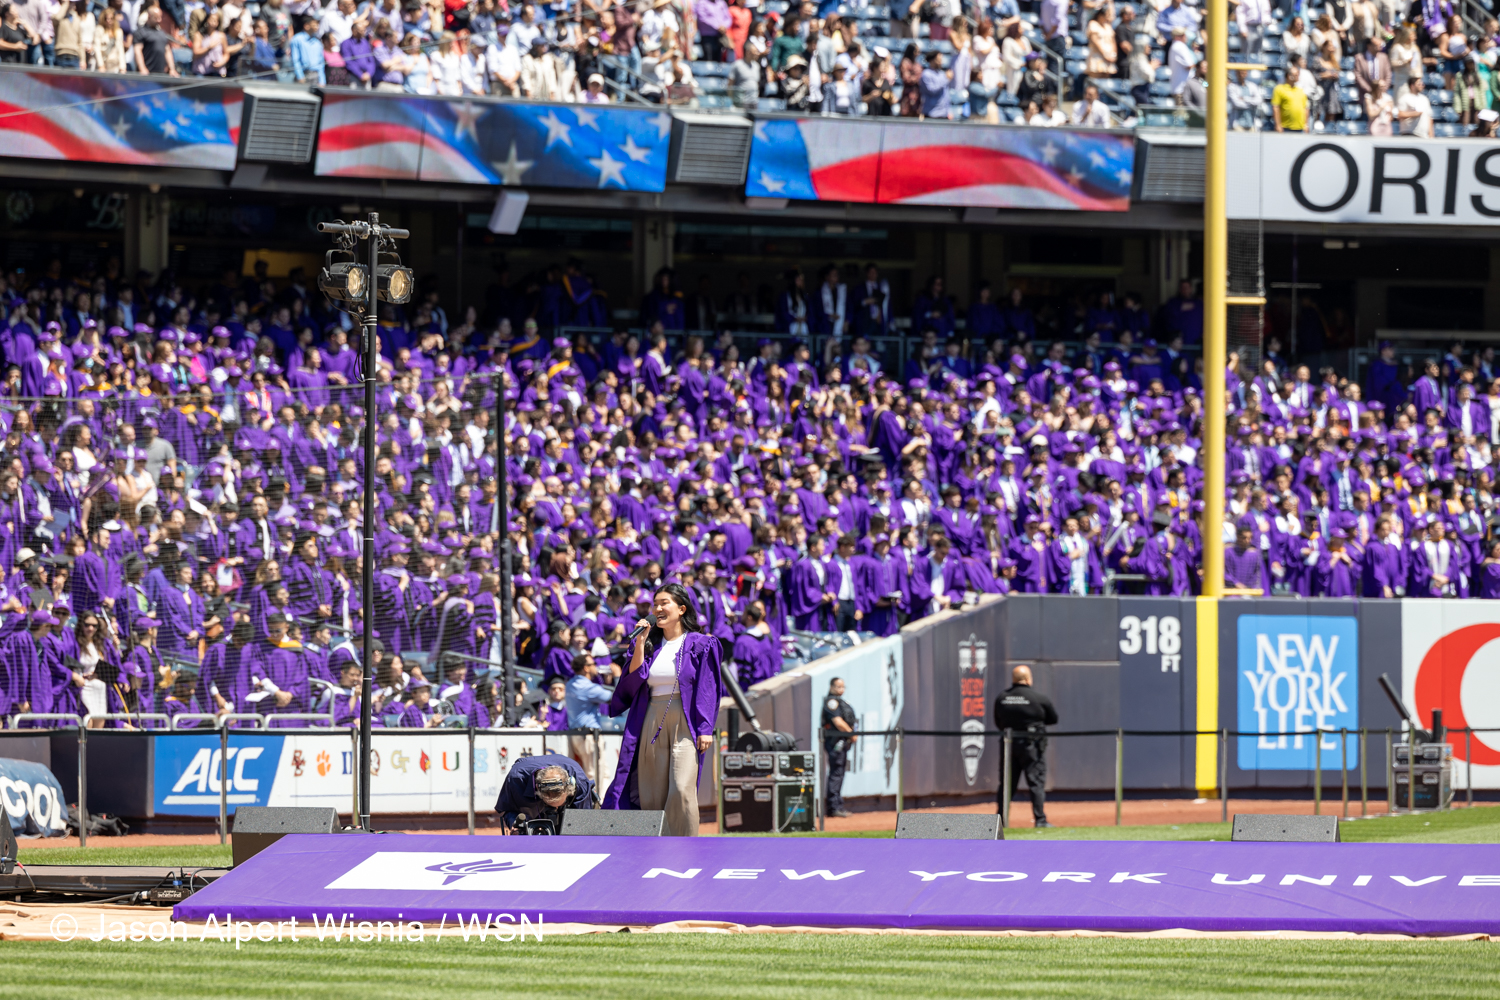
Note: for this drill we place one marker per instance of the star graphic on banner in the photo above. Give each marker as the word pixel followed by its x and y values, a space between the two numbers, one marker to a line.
pixel 663 122
pixel 1074 177
pixel 120 127
pixel 609 168
pixel 1123 176
pixel 1049 153
pixel 184 121
pixel 169 129
pixel 640 154
pixel 199 108
pixel 208 135
pixel 1096 158
pixel 587 118
pixel 468 115
pixel 512 170
pixel 158 101
pixel 771 184
pixel 760 132
pixel 557 130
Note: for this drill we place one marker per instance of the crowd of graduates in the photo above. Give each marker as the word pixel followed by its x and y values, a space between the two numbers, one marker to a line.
pixel 181 483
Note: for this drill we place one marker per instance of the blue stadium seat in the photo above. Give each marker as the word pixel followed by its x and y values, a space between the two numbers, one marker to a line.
pixel 770 104
pixel 1359 128
pixel 1441 98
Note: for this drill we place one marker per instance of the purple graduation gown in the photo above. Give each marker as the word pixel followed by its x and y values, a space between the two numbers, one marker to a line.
pixel 702 688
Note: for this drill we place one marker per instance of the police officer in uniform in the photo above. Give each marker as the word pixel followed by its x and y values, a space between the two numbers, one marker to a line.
pixel 1027 714
pixel 537 792
pixel 838 718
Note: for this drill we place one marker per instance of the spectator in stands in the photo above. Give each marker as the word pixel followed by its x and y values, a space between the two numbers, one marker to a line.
pixel 1289 104
pixel 1103 52
pixel 1180 60
pixel 1372 66
pixel 154 48
pixel 1054 24
pixel 1414 110
pixel 1380 110
pixel 306 51
pixel 934 84
pixel 73 30
pixel 1047 115
pixel 1090 112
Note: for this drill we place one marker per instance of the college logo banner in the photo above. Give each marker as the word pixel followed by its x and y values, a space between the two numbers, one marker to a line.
pixel 1400 179
pixel 478 141
pixel 116 119
pixel 425 772
pixel 1297 674
pixel 1450 660
pixel 836 159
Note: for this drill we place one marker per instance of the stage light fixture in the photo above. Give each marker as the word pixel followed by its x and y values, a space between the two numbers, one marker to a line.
pixel 343 280
pixel 393 283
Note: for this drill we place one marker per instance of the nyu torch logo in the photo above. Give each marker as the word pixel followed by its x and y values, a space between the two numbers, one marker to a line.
pixel 973 658
pixel 455 870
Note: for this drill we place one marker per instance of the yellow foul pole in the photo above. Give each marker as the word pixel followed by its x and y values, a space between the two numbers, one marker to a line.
pixel 1215 288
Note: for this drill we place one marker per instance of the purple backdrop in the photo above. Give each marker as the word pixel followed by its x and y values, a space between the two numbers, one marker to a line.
pixel 1104 885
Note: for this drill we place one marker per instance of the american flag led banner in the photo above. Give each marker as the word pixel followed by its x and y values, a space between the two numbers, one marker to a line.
pixel 493 142
pixel 113 119
pixel 838 159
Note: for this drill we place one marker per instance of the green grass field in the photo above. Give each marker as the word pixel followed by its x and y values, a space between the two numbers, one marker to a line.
pixel 782 966
pixel 775 965
pixel 1461 826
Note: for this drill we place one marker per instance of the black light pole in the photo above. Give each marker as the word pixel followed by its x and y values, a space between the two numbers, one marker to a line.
pixel 502 521
pixel 397 288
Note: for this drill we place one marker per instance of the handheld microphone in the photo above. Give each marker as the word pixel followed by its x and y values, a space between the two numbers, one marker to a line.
pixel 636 632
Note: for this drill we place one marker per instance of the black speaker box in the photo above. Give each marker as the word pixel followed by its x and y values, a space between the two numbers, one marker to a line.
pixel 1286 829
pixel 613 823
pixel 258 827
pixel 948 826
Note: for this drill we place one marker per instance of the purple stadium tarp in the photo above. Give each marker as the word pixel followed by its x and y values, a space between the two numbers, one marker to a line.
pixel 1100 885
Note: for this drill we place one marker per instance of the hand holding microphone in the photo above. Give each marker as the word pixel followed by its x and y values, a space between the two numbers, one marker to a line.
pixel 637 635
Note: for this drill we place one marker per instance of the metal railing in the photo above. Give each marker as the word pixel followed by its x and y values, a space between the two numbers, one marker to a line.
pixel 1009 736
pixel 84 734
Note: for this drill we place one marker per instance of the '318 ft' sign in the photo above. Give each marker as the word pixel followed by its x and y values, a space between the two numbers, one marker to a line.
pixel 1157 636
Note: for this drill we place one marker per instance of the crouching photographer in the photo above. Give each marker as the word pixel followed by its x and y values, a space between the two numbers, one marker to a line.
pixel 538 790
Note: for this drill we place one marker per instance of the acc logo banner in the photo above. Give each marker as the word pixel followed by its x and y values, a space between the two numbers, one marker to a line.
pixel 186 773
pixel 486 872
pixel 1296 673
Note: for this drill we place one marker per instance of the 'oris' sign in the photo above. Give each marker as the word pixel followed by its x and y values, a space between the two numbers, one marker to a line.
pixel 1390 179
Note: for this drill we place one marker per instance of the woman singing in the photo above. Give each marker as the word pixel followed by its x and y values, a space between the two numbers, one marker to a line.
pixel 669 728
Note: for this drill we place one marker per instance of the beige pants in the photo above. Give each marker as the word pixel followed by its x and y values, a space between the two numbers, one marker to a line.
pixel 667 771
pixel 581 749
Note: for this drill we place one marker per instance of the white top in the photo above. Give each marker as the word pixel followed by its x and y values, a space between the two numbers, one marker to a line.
pixel 663 675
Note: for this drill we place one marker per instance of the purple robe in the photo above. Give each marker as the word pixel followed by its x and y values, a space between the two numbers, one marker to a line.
pixel 702 688
pixel 757 657
pixel 805 600
pixel 1243 569
pixel 876 579
pixel 226 669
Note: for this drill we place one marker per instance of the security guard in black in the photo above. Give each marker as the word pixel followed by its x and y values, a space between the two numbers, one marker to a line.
pixel 838 719
pixel 1027 714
